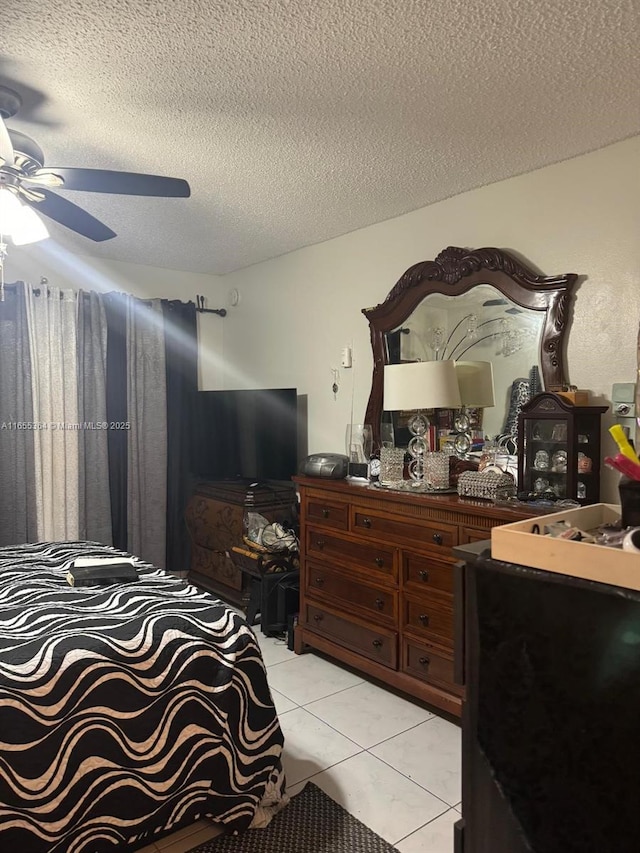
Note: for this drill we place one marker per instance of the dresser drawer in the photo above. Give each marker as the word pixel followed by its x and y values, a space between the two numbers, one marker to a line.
pixel 378 644
pixel 342 590
pixel 372 557
pixel 433 535
pixel 420 573
pixel 473 534
pixel 429 617
pixel 427 663
pixel 327 513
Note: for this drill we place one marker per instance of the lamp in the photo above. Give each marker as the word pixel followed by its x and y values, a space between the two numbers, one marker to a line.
pixel 420 385
pixel 475 381
pixel 19 222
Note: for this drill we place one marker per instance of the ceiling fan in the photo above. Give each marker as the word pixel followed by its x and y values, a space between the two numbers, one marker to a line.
pixel 22 172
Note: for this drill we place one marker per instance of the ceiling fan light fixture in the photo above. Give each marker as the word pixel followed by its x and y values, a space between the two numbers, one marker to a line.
pixel 9 209
pixel 19 222
pixel 22 174
pixel 28 227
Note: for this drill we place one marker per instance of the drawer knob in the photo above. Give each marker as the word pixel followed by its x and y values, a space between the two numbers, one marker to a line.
pixel 317 617
pixel 424 619
pixel 424 661
pixel 325 513
pixel 379 603
pixel 377 644
pixel 437 538
pixel 379 561
pixel 423 575
pixel 366 522
pixel 319 581
pixel 320 543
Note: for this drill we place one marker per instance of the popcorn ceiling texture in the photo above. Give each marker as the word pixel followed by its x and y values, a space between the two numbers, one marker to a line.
pixel 298 120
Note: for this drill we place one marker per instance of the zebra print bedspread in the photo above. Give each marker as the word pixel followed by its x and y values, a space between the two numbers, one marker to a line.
pixel 125 711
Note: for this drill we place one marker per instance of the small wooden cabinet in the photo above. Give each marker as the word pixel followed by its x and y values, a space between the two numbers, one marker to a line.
pixel 214 518
pixel 377 580
pixel 559 449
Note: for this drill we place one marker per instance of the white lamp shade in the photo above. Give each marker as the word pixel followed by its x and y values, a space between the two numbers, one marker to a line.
pixel 9 208
pixel 28 227
pixel 19 221
pixel 475 380
pixel 421 385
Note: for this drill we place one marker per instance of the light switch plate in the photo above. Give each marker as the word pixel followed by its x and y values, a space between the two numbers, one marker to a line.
pixel 623 407
pixel 623 392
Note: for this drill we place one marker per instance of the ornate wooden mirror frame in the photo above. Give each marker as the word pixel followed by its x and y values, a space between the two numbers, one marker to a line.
pixel 454 272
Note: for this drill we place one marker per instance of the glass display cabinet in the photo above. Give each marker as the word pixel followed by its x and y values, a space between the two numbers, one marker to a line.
pixel 559 449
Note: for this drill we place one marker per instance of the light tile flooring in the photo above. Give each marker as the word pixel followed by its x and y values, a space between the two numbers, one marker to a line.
pixel 390 762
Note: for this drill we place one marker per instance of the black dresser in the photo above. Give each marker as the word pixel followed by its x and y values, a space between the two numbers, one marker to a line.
pixel 551 715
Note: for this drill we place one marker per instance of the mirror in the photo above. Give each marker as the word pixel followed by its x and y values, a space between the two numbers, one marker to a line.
pixel 476 305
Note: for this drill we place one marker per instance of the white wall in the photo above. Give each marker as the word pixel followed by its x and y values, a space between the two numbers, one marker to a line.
pixel 583 215
pixel 59 267
pixel 298 311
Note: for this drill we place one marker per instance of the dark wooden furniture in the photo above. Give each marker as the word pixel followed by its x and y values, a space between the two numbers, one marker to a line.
pixel 559 448
pixel 377 582
pixel 265 573
pixel 214 518
pixel 550 717
pixel 456 272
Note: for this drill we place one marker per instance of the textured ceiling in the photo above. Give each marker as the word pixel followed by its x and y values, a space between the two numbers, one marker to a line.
pixel 298 120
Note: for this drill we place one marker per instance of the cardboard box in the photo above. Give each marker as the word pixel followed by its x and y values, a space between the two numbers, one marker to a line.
pixel 518 543
pixel 577 398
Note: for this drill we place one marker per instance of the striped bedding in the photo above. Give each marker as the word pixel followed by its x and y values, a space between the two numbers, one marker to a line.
pixel 125 711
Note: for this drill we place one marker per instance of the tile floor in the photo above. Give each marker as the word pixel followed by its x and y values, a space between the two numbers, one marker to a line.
pixel 390 762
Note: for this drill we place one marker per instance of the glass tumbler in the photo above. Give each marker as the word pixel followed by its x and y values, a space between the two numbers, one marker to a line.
pixel 436 470
pixel 358 442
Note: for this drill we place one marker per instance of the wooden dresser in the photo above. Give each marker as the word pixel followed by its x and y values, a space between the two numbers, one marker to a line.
pixel 376 581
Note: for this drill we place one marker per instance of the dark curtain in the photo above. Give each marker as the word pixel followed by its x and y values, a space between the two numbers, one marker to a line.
pixel 115 306
pixel 393 346
pixel 147 438
pixel 181 357
pixel 93 444
pixel 18 516
pixel 102 371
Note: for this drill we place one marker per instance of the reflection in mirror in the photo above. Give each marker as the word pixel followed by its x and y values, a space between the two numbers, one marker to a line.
pixel 480 325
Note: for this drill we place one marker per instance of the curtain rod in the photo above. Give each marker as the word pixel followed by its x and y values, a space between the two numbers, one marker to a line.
pixel 200 300
pixel 221 312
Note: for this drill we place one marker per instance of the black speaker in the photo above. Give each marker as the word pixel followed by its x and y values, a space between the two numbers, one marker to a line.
pixel 292 622
pixel 280 594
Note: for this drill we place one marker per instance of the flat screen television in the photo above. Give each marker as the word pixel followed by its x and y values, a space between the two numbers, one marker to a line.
pixel 248 434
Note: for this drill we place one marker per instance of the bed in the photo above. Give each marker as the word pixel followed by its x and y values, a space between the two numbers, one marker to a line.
pixel 126 711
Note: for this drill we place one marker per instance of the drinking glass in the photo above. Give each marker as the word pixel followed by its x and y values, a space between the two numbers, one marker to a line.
pixel 359 442
pixel 387 437
pixel 436 470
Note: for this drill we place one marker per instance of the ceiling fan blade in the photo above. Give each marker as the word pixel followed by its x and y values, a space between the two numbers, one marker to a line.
pixel 71 216
pixel 124 183
pixel 6 146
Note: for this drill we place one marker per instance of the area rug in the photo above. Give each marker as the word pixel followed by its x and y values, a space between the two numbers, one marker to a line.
pixel 311 823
